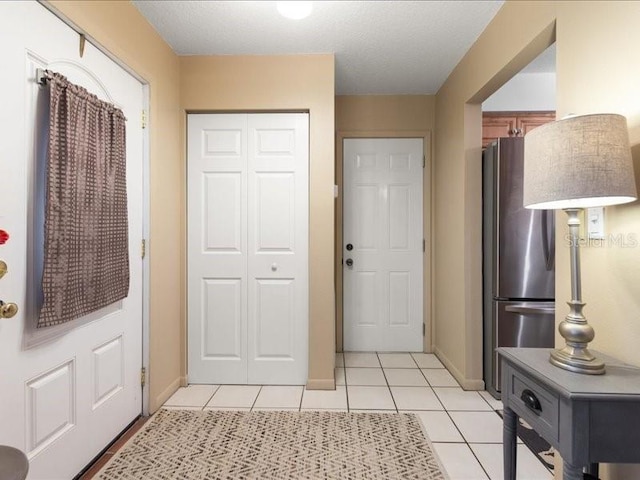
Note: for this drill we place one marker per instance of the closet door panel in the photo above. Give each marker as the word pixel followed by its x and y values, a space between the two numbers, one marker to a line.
pixel 278 175
pixel 217 248
pixel 275 216
pixel 275 319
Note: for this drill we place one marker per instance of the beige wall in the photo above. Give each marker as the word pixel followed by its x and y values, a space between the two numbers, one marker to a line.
pixel 595 73
pixel 119 27
pixel 369 113
pixel 272 83
pixel 385 116
pixel 493 59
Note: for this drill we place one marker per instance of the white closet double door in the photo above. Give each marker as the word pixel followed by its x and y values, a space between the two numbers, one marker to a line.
pixel 248 204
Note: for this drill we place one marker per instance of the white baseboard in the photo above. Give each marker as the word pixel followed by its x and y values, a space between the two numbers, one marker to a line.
pixel 321 384
pixel 163 396
pixel 465 383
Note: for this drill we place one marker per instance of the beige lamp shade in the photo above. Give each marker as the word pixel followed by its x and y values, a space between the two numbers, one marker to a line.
pixel 579 162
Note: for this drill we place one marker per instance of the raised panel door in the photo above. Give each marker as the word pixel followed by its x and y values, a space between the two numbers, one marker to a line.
pixel 69 389
pixel 248 248
pixel 278 239
pixel 217 248
pixel 383 223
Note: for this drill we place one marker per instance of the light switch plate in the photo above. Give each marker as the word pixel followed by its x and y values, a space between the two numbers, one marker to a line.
pixel 595 222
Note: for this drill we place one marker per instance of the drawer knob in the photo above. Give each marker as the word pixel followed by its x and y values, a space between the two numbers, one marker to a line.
pixel 530 400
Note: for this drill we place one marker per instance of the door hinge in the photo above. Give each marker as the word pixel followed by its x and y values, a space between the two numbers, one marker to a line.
pixel 143 248
pixel 424 245
pixel 424 161
pixel 424 329
pixel 143 376
pixel 144 119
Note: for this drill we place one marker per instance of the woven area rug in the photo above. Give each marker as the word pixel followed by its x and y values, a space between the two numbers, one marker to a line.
pixel 188 444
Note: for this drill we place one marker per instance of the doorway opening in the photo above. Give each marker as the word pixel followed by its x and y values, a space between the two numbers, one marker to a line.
pixel 518 270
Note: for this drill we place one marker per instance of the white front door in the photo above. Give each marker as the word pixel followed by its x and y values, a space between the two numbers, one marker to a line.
pixel 65 391
pixel 248 177
pixel 383 244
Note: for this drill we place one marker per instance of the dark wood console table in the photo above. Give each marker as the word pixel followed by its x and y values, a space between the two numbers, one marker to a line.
pixel 588 419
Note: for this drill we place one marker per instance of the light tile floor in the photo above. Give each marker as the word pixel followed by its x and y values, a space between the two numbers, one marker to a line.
pixel 464 427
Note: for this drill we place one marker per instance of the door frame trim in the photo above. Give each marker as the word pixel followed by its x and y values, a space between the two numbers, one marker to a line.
pixel 146 199
pixel 427 202
pixel 146 216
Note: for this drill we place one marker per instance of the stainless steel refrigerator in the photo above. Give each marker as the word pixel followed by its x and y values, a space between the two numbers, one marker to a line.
pixel 518 260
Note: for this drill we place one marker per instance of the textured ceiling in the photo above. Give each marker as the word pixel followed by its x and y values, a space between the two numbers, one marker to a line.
pixel 381 47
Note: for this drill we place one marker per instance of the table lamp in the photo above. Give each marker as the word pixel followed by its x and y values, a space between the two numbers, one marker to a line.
pixel 571 164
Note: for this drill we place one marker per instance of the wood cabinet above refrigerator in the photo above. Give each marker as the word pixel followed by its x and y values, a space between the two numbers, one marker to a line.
pixel 511 124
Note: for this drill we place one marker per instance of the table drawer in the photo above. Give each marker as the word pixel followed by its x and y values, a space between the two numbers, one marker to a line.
pixel 533 403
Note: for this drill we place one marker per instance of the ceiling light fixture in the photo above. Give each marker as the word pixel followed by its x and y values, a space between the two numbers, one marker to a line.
pixel 294 10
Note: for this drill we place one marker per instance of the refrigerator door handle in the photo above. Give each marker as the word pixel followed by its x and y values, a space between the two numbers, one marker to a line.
pixel 548 240
pixel 551 217
pixel 529 309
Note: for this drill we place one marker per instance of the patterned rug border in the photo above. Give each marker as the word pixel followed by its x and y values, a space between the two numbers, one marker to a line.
pixel 150 423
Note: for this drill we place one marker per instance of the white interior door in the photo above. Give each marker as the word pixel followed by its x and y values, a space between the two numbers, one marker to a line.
pixel 383 244
pixel 248 178
pixel 67 390
pixel 217 248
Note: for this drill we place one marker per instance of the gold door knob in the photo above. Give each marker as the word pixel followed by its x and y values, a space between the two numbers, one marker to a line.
pixel 8 310
pixel 3 268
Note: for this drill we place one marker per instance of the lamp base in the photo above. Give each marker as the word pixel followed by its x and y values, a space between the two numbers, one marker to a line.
pixel 577 360
pixel 575 329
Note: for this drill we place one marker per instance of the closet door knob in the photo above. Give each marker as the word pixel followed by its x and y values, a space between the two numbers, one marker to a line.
pixel 274 267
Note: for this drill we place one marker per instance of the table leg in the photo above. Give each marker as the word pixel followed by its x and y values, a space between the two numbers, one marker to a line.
pixel 571 472
pixel 509 443
pixel 593 469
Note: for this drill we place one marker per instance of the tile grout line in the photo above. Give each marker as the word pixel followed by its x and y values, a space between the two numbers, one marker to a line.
pixel 479 462
pixel 439 400
pixel 304 387
pixel 255 399
pixel 346 385
pixel 425 377
pixel 207 402
pixel 393 399
pixel 455 425
pixel 211 397
pixel 390 391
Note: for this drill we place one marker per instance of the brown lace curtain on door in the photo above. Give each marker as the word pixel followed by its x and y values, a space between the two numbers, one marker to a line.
pixel 86 257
